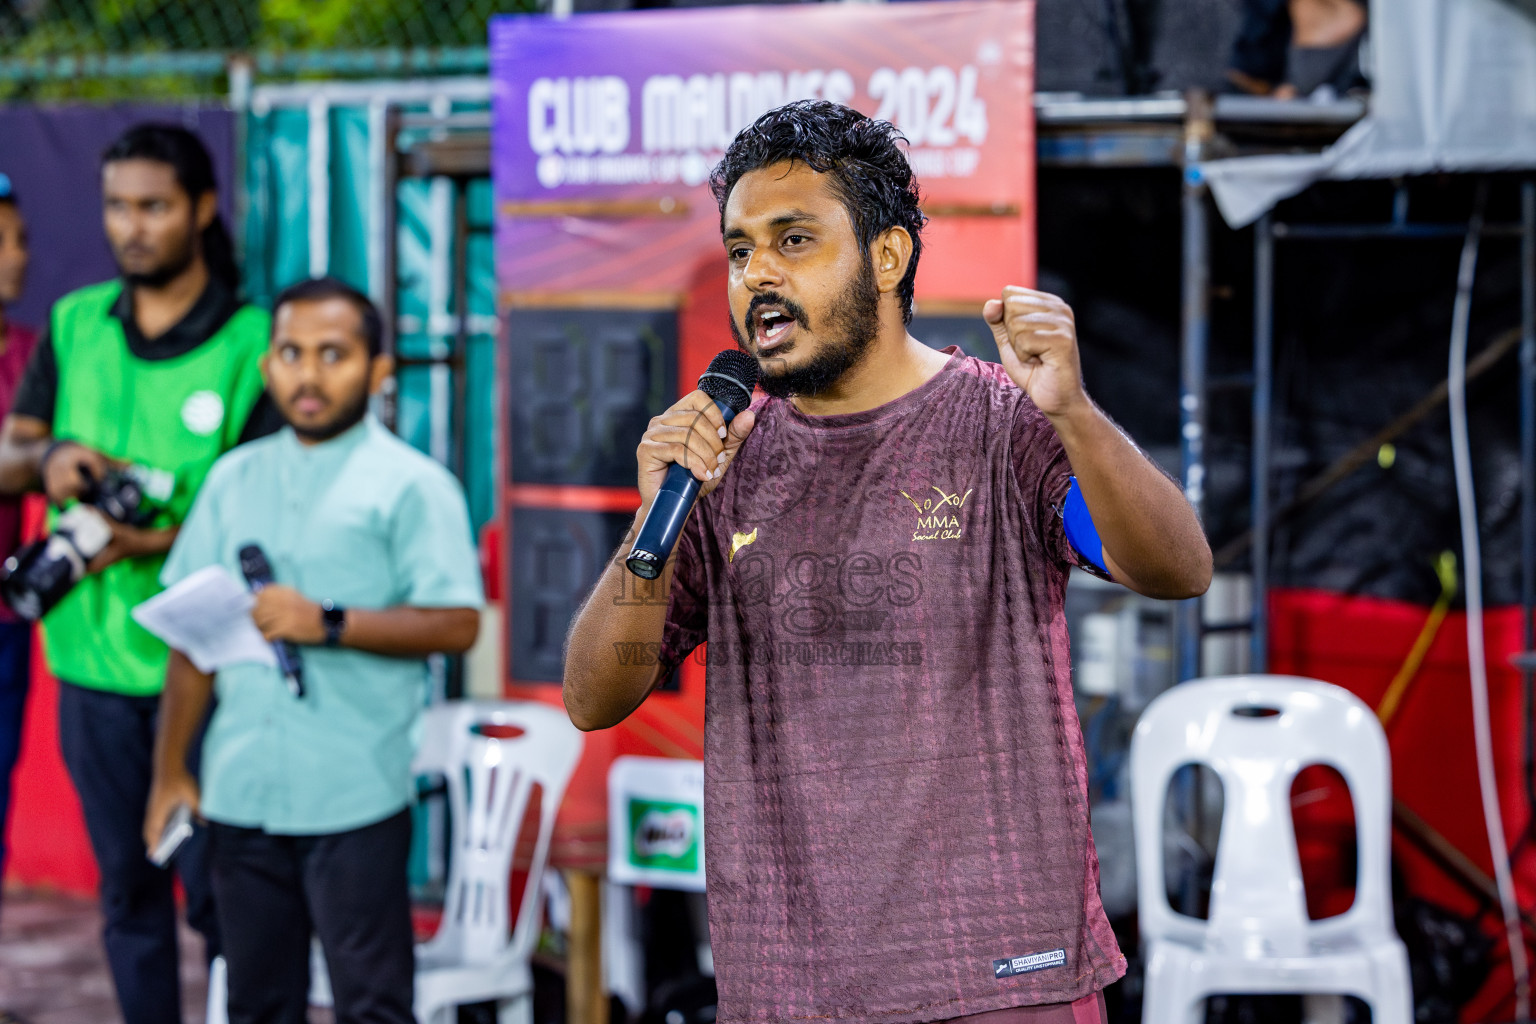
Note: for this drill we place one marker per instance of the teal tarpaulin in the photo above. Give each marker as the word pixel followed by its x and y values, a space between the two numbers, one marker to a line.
pixel 278 252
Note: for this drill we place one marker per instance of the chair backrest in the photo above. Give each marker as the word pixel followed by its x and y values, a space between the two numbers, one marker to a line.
pixel 492 754
pixel 1256 733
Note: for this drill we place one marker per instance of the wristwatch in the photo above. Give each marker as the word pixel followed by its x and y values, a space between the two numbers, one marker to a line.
pixel 335 618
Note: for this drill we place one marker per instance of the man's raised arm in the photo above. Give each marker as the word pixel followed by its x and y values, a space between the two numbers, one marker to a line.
pixel 1153 541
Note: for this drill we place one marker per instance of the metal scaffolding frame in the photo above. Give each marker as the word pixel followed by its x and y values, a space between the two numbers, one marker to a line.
pixel 1202 136
pixel 1195 384
pixel 1180 133
pixel 405 143
pixel 450 147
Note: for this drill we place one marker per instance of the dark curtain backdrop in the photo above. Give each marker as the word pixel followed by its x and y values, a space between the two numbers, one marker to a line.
pixel 53 154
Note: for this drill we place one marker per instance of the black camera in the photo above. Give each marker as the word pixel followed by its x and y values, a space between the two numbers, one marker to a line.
pixel 35 578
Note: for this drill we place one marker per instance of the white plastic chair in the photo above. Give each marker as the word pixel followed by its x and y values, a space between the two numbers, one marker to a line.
pixel 478 954
pixel 1256 733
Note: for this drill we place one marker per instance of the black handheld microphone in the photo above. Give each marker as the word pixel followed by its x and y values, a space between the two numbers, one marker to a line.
pixel 258 573
pixel 729 381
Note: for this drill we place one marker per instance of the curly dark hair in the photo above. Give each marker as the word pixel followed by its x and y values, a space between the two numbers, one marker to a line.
pixel 868 170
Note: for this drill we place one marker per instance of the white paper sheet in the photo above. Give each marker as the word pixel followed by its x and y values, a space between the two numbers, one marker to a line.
pixel 207 617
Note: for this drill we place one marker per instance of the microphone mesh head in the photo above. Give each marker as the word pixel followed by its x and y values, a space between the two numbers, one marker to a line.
pixel 730 379
pixel 253 561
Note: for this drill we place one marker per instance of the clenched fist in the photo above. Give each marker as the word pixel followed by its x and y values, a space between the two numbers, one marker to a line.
pixel 1037 344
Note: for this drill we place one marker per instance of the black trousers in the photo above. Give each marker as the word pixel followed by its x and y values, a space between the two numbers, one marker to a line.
pixel 107 741
pixel 349 888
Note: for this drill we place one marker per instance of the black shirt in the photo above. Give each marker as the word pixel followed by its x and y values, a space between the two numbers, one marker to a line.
pixel 38 391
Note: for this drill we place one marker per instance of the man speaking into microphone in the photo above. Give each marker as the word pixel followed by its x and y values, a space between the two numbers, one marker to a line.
pixel 361 549
pixel 896 796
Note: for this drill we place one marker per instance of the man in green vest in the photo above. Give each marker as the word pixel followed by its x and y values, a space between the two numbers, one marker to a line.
pixel 156 373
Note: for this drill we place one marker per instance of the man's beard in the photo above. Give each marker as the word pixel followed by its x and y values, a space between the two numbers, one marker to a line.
pixel 174 266
pixel 850 328
pixel 350 416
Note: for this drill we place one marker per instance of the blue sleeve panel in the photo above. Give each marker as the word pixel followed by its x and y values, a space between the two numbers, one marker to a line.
pixel 1081 533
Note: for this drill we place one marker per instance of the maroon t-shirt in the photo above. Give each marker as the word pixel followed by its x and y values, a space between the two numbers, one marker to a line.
pixel 896 798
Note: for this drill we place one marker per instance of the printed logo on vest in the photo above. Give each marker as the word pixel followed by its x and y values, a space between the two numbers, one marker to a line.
pixel 1010 966
pixel 203 412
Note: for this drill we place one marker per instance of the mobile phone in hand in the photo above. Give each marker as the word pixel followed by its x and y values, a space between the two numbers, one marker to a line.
pixel 178 829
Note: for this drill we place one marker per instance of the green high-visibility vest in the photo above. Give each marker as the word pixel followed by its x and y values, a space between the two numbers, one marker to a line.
pixel 172 417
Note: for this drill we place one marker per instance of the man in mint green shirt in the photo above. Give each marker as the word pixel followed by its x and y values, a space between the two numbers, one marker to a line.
pixel 375 569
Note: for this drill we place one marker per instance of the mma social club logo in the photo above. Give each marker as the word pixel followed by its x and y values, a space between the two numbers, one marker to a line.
pixel 940 516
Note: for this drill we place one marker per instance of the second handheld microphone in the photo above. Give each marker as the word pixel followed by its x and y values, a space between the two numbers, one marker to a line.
pixel 729 381
pixel 258 573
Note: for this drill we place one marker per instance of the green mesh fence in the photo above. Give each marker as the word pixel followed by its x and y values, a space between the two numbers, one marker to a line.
pixel 106 48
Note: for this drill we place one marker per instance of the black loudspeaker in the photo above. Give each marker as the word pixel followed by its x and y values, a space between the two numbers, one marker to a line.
pixel 582 386
pixel 557 554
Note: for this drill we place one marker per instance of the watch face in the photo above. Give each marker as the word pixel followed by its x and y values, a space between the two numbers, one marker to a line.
pixel 335 621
